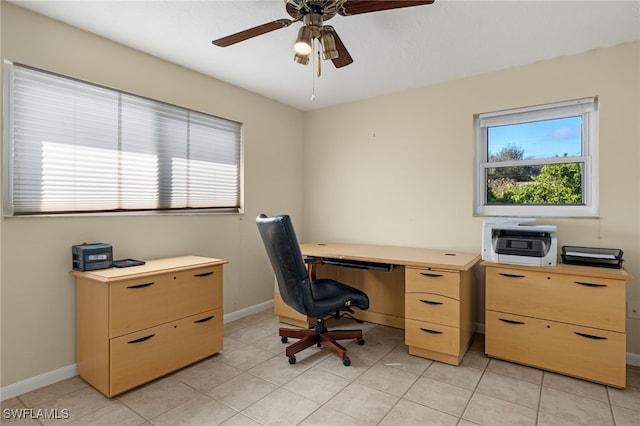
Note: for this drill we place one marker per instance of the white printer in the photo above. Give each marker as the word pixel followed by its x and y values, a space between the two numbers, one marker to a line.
pixel 517 241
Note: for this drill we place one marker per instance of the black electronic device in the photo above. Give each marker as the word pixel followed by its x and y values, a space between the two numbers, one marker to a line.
pixel 89 257
pixel 592 256
pixel 522 243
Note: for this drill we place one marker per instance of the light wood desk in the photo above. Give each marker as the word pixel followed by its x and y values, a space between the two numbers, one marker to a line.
pixel 429 293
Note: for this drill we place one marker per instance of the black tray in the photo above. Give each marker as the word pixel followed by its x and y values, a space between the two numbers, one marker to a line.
pixel 125 263
pixel 592 256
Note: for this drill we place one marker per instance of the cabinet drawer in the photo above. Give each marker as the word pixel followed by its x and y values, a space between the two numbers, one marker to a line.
pixel 140 303
pixel 434 337
pixel 139 357
pixel 444 283
pixel 433 308
pixel 593 302
pixel 584 352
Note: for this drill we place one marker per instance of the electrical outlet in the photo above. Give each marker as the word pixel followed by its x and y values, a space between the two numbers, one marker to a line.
pixel 633 310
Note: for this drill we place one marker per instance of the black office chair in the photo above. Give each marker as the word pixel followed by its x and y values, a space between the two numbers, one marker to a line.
pixel 318 298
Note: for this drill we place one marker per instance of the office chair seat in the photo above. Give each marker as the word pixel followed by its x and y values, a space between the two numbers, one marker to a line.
pixel 331 296
pixel 320 298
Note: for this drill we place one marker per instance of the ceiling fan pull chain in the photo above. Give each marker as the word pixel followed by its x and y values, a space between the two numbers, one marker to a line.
pixel 319 66
pixel 313 78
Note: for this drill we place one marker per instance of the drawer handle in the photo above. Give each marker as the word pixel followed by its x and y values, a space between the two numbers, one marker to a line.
pixel 426 330
pixel 430 302
pixel 590 284
pixel 204 274
pixel 141 285
pixel 510 275
pixel 203 319
pixel 426 274
pixel 508 321
pixel 590 336
pixel 142 339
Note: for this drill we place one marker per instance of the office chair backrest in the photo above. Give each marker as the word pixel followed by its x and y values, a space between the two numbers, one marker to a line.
pixel 281 244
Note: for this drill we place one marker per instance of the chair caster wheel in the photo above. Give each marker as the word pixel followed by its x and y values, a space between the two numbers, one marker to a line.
pixel 361 342
pixel 319 344
pixel 346 362
pixel 284 339
pixel 292 360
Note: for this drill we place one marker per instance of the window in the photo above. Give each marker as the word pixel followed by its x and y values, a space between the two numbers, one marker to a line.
pixel 538 161
pixel 74 147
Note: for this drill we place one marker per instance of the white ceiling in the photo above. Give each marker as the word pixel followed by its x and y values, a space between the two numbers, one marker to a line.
pixel 392 50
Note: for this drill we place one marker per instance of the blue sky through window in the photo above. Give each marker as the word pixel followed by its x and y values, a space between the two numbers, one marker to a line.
pixel 539 139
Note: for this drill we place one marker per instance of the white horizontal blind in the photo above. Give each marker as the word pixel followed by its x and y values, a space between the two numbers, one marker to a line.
pixel 76 147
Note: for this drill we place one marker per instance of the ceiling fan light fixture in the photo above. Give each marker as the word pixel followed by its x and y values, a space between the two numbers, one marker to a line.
pixel 301 59
pixel 313 14
pixel 303 42
pixel 329 50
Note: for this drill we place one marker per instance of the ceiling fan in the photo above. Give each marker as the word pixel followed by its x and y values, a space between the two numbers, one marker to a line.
pixel 313 14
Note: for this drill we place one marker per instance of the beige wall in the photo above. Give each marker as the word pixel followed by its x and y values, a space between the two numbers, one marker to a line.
pixel 392 170
pixel 37 293
pixel 398 169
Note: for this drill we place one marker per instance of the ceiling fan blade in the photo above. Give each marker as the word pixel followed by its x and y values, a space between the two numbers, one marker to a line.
pixel 356 7
pixel 252 32
pixel 344 58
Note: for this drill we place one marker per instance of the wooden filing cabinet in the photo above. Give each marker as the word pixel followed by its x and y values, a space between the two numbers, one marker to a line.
pixel 136 324
pixel 438 313
pixel 568 319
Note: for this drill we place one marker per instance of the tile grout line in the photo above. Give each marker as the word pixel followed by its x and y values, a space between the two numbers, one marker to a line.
pixel 539 406
pixel 475 388
pixel 381 338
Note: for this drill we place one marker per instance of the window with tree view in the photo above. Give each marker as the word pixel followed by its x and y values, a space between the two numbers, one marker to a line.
pixel 537 161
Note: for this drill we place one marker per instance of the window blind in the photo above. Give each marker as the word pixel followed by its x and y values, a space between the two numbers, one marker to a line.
pixel 77 147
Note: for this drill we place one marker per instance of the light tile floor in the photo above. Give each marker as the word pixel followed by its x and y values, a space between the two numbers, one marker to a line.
pixel 251 383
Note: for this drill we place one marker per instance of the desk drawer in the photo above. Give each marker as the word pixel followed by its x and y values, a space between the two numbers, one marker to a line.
pixel 593 302
pixel 141 356
pixel 433 308
pixel 588 353
pixel 144 302
pixel 444 283
pixel 434 337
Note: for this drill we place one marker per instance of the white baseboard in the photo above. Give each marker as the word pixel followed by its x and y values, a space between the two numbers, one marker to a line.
pixel 37 382
pixel 633 359
pixel 51 377
pixel 248 311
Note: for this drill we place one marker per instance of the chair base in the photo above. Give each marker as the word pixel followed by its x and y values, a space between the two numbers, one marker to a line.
pixel 319 336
